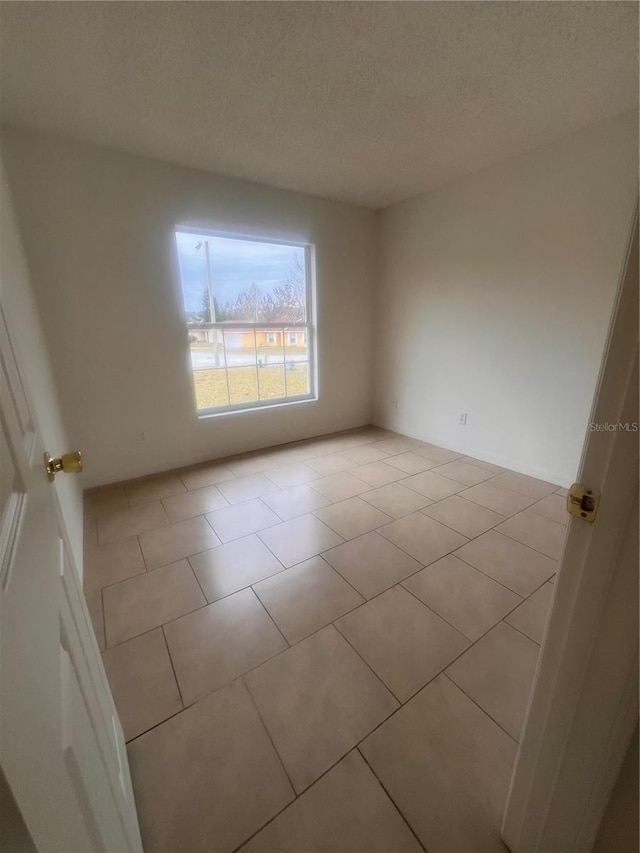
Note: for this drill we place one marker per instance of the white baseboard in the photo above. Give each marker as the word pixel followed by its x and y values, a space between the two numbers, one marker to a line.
pixel 180 461
pixel 548 475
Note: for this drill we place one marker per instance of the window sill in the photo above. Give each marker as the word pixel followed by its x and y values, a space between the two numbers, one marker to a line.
pixel 206 415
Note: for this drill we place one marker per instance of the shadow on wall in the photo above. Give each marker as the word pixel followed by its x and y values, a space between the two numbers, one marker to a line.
pixel 619 831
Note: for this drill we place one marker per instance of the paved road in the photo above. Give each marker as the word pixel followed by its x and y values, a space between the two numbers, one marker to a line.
pixel 205 359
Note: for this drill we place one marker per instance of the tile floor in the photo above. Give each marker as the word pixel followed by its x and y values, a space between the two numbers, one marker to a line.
pixel 326 646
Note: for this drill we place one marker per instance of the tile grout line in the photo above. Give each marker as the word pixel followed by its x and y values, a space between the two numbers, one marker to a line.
pixel 532 509
pixel 424 566
pixel 471 503
pixel 286 568
pixel 200 587
pixel 480 463
pixel 416 443
pixel 464 651
pixel 240 675
pixel 346 580
pixel 400 480
pixel 317 630
pixel 298 515
pixel 238 505
pixel 287 519
pixel 539 645
pixel 264 607
pixel 444 619
pixel 513 492
pixel 205 485
pixel 404 514
pixel 188 612
pixel 297 796
pixel 366 663
pixel 387 792
pixel 220 461
pixel 274 655
pixel 144 560
pixel 444 523
pixel 401 704
pixel 271 741
pixel 484 710
pixel 350 538
pixel 173 668
pixel 189 493
pixel 156 726
pixel 537 550
pixel 299 562
pixel 398 583
pixel 478 569
pixel 470 565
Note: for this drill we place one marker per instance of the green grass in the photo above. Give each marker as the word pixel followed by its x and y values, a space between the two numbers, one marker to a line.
pixel 248 384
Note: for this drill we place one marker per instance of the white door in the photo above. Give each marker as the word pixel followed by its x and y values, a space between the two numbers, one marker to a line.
pixel 584 703
pixel 62 752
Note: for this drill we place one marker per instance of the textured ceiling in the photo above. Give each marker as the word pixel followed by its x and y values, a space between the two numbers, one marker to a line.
pixel 361 101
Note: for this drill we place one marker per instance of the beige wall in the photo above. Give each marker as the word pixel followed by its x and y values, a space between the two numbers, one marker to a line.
pixel 494 298
pixel 24 321
pixel 97 227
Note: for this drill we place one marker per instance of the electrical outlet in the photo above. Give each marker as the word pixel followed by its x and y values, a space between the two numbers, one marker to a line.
pixel 462 418
pixel 394 404
pixel 141 437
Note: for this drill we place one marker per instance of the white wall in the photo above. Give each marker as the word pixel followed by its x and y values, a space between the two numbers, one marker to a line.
pixel 98 229
pixel 28 342
pixel 494 297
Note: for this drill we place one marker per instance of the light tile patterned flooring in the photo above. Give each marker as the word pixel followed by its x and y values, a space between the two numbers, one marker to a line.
pixel 326 646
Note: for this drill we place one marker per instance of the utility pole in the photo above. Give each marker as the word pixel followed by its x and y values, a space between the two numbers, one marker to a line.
pixel 212 307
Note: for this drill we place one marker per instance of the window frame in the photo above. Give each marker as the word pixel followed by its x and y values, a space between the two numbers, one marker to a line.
pixel 308 328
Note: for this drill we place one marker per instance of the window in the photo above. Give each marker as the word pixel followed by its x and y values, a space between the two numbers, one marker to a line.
pixel 247 305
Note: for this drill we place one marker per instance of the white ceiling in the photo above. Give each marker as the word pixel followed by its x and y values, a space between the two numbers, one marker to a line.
pixel 366 102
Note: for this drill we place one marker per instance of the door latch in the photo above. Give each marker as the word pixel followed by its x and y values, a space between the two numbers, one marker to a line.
pixel 69 463
pixel 583 503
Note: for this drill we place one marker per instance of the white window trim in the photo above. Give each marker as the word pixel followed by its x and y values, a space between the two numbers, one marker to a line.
pixel 308 328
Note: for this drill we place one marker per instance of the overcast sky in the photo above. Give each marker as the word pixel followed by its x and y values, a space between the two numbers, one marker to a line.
pixel 235 266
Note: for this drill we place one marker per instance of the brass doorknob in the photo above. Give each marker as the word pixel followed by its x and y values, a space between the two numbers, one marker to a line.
pixel 70 463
